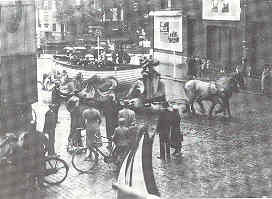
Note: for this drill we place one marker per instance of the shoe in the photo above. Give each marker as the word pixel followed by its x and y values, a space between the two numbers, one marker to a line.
pixel 159 157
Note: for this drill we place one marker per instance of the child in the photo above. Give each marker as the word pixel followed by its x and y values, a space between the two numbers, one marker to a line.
pixel 120 139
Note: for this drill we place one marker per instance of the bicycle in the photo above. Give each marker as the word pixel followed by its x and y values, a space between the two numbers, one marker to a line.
pixel 54 169
pixel 84 162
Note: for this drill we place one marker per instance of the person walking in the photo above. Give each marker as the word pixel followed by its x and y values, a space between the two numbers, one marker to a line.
pixel 50 127
pixel 164 129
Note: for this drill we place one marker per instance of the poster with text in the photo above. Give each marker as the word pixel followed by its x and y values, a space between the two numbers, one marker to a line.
pixel 221 10
pixel 168 32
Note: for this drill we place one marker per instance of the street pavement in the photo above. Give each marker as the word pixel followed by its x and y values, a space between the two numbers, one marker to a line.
pixel 221 157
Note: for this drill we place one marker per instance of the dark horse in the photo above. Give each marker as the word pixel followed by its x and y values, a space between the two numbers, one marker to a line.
pixel 217 92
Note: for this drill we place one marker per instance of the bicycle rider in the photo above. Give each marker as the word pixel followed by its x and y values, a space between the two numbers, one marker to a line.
pixel 35 145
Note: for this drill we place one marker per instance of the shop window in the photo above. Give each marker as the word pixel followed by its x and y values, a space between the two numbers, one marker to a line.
pixel 54 27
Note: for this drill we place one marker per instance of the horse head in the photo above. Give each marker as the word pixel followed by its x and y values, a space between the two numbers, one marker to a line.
pixel 88 92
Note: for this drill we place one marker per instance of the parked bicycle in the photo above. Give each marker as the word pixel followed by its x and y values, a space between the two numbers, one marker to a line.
pixel 84 159
pixel 54 169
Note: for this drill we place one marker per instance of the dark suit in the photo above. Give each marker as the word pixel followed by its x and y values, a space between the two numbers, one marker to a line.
pixel 56 100
pixel 164 129
pixel 111 116
pixel 176 135
pixel 49 128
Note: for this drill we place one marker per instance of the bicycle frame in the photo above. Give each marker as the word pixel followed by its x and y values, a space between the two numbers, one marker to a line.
pixel 101 152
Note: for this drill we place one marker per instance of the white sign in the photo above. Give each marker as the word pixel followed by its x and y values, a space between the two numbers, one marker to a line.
pixel 221 10
pixel 168 32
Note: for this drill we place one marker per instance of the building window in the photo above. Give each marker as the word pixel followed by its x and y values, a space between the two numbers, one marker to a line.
pixel 54 27
pixel 46 25
pixel 62 27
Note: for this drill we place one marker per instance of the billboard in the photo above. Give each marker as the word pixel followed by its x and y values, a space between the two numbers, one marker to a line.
pixel 221 10
pixel 168 32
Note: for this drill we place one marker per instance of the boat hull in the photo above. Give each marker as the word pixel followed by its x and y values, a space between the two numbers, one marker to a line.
pixel 123 75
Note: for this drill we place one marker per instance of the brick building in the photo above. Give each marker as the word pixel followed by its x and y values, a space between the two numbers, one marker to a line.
pixel 221 30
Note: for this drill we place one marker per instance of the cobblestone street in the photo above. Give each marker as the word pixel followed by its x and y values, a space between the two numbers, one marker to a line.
pixel 221 158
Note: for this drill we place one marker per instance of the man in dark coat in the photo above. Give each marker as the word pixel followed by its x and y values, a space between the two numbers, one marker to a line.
pixel 49 128
pixel 111 116
pixel 76 125
pixel 164 129
pixel 176 135
pixel 56 99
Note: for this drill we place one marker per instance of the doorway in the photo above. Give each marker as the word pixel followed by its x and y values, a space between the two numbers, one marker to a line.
pixel 223 44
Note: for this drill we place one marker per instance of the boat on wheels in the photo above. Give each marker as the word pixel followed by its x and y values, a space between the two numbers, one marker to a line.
pixel 139 84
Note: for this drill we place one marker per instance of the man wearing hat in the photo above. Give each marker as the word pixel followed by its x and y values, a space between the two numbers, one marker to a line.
pixel 49 128
pixel 164 129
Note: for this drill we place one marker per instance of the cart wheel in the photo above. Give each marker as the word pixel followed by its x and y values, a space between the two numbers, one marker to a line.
pixel 83 162
pixel 56 170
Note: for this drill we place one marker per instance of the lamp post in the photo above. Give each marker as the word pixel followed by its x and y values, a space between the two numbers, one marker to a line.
pixel 244 42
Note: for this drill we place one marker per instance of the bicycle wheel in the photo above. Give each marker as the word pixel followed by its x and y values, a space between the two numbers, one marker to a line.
pixel 83 162
pixel 56 170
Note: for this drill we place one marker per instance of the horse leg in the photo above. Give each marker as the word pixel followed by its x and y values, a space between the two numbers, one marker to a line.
pixel 201 106
pixel 228 107
pixel 211 109
pixel 192 108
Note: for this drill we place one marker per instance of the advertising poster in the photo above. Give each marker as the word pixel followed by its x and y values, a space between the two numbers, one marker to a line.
pixel 221 10
pixel 168 31
pixel 164 31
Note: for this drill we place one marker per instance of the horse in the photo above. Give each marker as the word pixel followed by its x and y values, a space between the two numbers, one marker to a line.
pixel 136 94
pixel 217 92
pixel 99 89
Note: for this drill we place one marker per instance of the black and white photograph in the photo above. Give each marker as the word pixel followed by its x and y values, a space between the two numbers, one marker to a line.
pixel 135 99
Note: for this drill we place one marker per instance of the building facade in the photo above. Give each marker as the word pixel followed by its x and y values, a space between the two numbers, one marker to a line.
pixel 224 31
pixel 49 28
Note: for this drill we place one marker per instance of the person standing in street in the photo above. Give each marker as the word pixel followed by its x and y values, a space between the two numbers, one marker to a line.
pixel 128 115
pixel 176 135
pixel 56 99
pixel 111 116
pixel 50 127
pixel 164 129
pixel 266 80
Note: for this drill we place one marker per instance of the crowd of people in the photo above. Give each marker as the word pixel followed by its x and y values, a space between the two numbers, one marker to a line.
pixel 103 59
pixel 202 67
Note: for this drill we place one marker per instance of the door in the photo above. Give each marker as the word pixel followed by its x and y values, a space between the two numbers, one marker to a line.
pixel 191 37
pixel 223 44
